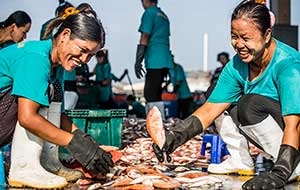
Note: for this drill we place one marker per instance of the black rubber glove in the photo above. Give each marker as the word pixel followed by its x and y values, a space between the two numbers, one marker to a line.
pixel 177 136
pixel 125 72
pixel 88 153
pixel 123 75
pixel 287 161
pixel 138 67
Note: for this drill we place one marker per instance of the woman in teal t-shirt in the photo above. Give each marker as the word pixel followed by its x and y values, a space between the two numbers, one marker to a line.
pixel 263 79
pixel 25 72
pixel 184 95
pixel 103 80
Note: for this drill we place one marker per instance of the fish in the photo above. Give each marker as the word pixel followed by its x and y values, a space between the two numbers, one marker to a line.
pixel 155 127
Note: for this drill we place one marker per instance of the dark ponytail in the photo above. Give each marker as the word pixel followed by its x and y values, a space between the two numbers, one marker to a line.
pixel 255 11
pixel 20 18
pixel 82 22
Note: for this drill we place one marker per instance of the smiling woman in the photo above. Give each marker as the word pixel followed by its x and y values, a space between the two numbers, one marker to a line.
pixel 252 92
pixel 77 42
pixel 24 97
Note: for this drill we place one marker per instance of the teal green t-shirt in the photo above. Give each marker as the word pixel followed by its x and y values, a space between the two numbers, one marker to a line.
pixel 280 80
pixel 155 23
pixel 183 90
pixel 43 29
pixel 103 71
pixel 25 67
pixel 6 44
pixel 70 75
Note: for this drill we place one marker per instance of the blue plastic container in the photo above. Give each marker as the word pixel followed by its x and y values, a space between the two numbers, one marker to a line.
pixel 171 108
pixel 218 147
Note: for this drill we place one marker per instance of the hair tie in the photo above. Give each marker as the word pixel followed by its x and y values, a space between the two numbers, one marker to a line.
pixel 69 11
pixel 261 2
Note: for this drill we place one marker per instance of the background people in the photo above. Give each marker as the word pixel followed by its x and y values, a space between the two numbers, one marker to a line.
pixel 70 90
pixel 267 109
pixel 103 80
pixel 154 47
pixel 83 74
pixel 223 58
pixel 181 88
pixel 14 28
pixel 79 36
pixel 59 11
pixel 135 107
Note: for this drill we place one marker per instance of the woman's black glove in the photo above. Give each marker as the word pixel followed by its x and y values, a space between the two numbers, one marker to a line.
pixel 287 161
pixel 138 67
pixel 177 136
pixel 87 152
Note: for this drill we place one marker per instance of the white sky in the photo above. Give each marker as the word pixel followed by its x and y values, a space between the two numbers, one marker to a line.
pixel 190 20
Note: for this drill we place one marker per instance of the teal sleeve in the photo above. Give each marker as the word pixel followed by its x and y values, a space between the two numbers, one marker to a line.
pixel 107 71
pixel 172 74
pixel 228 89
pixel 180 74
pixel 289 87
pixel 146 22
pixel 70 75
pixel 31 78
pixel 113 77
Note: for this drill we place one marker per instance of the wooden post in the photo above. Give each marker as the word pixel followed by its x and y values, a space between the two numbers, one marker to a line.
pixel 282 11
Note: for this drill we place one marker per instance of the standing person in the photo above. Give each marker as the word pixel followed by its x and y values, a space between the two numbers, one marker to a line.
pixel 181 88
pixel 154 47
pixel 103 80
pixel 267 109
pixel 223 58
pixel 14 28
pixel 24 96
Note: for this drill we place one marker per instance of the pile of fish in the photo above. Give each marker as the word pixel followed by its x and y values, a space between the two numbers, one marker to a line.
pixel 136 166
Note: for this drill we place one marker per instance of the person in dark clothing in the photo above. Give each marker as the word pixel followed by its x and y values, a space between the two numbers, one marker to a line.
pixel 154 46
pixel 135 107
pixel 181 88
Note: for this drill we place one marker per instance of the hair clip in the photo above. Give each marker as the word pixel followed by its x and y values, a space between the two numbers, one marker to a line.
pixel 263 2
pixel 69 11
